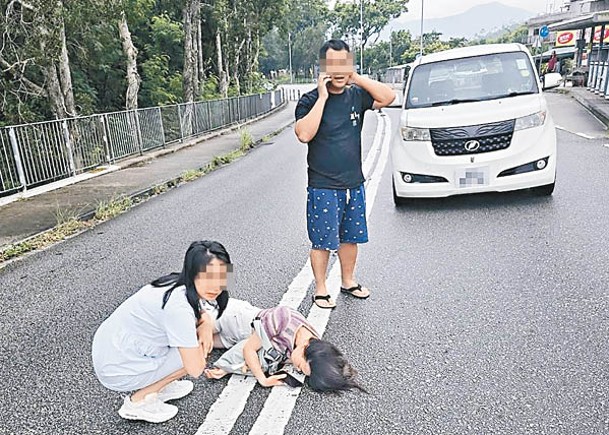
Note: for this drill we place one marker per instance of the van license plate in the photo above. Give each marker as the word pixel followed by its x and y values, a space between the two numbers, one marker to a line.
pixel 472 177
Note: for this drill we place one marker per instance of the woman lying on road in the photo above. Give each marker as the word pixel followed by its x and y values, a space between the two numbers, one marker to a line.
pixel 163 333
pixel 263 340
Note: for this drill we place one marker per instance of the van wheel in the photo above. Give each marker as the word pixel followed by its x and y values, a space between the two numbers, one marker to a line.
pixel 398 200
pixel 544 190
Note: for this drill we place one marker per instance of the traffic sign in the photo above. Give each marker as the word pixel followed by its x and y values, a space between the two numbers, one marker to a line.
pixel 544 32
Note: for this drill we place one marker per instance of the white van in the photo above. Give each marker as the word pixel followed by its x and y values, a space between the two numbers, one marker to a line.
pixel 474 119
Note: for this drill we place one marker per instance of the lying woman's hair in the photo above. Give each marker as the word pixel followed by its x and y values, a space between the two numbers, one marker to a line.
pixel 330 371
pixel 198 256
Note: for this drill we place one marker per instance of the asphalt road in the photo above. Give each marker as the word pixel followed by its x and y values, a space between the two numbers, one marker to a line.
pixel 488 314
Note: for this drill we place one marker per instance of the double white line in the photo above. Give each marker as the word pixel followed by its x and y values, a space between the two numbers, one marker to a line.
pixel 281 401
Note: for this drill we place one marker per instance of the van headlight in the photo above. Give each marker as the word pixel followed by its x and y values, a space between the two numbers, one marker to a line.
pixel 534 120
pixel 414 133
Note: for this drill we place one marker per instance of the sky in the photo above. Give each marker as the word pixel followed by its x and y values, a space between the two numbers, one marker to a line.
pixel 445 8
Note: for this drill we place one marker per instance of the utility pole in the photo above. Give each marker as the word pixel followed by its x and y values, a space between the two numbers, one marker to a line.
pixel 421 49
pixel 290 55
pixel 390 47
pixel 361 35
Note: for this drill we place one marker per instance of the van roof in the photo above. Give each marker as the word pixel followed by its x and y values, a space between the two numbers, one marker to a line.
pixel 474 50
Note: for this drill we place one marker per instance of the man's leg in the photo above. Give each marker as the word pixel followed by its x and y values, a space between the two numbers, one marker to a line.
pixel 353 230
pixel 347 254
pixel 319 264
pixel 322 227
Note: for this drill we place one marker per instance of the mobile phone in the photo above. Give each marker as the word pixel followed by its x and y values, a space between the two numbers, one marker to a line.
pixel 289 380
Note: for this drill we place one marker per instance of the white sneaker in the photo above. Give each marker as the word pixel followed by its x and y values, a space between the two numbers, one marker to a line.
pixel 150 409
pixel 175 390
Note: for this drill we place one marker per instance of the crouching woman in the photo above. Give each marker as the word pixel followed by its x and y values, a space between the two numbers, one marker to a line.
pixel 163 333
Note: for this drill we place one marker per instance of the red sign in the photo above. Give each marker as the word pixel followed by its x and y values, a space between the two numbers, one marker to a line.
pixel 597 35
pixel 565 38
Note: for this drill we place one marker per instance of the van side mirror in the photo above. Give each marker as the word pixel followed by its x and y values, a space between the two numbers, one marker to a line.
pixel 405 78
pixel 406 73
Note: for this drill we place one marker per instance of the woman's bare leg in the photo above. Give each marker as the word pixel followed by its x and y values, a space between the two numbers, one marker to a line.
pixel 214 373
pixel 157 386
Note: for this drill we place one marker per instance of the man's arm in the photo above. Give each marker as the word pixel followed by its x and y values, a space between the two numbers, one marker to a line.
pixel 382 94
pixel 306 128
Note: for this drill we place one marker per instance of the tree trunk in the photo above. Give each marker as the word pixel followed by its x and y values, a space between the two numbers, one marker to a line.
pixel 200 49
pixel 133 78
pixel 248 62
pixel 254 58
pixel 53 90
pixel 65 75
pixel 257 52
pixel 188 79
pixel 236 68
pixel 222 74
pixel 195 17
pixel 52 84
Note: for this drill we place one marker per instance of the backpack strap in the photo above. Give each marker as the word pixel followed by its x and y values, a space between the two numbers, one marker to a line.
pixel 269 357
pixel 264 338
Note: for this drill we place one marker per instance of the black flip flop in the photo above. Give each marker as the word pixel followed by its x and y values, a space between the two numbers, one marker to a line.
pixel 323 298
pixel 350 291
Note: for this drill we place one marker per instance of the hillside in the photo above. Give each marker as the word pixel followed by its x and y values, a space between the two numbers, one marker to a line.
pixel 479 20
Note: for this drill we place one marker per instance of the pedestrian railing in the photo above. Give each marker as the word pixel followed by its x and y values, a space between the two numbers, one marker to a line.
pixel 35 154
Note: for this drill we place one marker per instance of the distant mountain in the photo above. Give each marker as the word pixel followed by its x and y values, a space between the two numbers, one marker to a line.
pixel 478 20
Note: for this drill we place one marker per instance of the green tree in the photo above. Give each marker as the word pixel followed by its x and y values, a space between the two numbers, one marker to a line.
pixel 384 54
pixel 457 42
pixel 376 15
pixel 305 24
pixel 61 58
pixel 432 43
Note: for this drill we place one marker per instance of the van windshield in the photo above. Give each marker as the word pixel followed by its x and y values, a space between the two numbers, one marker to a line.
pixel 478 78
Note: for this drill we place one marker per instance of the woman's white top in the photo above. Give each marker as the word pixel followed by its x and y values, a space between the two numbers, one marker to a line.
pixel 139 333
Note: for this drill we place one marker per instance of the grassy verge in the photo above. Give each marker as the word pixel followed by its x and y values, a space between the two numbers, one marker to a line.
pixel 42 240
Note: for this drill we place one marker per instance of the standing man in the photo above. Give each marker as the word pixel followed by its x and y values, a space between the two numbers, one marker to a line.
pixel 552 62
pixel 329 119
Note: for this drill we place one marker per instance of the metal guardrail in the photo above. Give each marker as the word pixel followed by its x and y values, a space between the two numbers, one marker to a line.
pixel 35 154
pixel 293 94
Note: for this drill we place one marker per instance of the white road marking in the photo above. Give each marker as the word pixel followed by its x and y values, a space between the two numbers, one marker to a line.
pixel 278 407
pixel 230 404
pixel 584 135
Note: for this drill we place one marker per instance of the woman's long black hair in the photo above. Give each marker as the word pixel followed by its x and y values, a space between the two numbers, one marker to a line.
pixel 198 256
pixel 330 370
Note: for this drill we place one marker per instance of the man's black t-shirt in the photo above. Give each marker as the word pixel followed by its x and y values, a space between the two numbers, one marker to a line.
pixel 335 153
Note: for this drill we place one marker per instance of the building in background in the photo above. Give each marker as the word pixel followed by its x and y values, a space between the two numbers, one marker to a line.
pixel 569 10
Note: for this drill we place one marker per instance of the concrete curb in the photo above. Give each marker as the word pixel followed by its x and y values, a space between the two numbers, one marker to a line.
pixel 137 197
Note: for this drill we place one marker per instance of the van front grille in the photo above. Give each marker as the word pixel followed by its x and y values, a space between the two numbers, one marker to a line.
pixel 473 139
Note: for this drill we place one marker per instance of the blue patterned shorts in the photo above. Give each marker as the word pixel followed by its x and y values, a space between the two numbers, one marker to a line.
pixel 336 216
